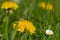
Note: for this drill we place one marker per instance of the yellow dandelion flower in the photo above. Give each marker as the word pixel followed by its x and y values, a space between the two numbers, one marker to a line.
pixel 42 5
pixel 29 27
pixel 7 5
pixel 14 24
pixel 49 6
pixel 25 25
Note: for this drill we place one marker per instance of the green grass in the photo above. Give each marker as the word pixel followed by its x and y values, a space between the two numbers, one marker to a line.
pixel 42 19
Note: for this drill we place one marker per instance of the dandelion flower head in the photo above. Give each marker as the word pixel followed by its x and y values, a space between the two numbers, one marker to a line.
pixel 11 5
pixel 42 5
pixel 25 25
pixel 49 6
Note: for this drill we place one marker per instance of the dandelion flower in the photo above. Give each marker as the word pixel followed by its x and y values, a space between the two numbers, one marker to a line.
pixel 49 32
pixel 49 6
pixel 42 5
pixel 23 25
pixel 9 5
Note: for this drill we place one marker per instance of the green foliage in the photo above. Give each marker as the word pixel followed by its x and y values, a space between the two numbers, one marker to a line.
pixel 41 18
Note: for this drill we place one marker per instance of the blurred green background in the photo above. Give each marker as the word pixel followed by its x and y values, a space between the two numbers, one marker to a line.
pixel 42 19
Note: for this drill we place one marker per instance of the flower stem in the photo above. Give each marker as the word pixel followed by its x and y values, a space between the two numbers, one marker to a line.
pixel 24 36
pixel 6 27
pixel 30 37
pixel 13 34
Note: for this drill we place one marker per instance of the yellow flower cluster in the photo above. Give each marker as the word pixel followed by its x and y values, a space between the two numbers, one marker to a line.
pixel 47 6
pixel 7 5
pixel 24 25
pixel 42 5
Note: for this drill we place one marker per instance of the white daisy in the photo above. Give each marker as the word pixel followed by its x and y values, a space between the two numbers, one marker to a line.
pixel 49 32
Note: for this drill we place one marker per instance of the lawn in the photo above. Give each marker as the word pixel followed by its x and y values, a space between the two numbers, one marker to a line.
pixel 30 20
